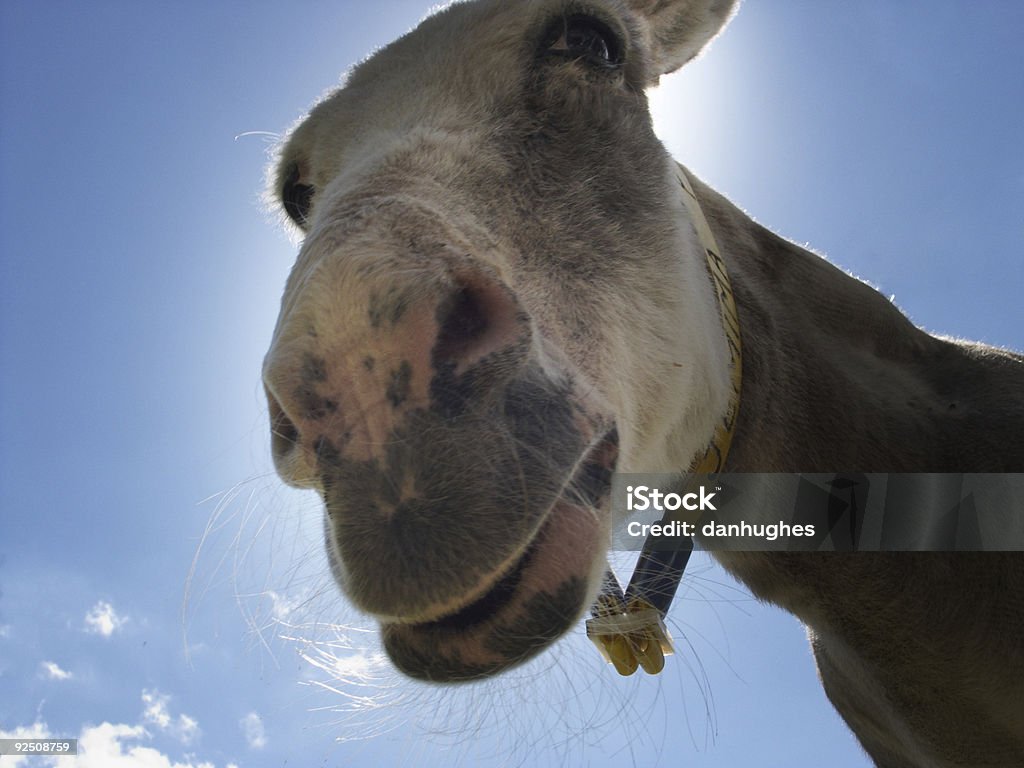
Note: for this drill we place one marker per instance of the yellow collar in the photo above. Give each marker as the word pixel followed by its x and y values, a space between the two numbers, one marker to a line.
pixel 629 630
pixel 714 457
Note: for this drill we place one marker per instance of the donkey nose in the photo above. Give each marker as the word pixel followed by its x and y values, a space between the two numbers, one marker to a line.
pixel 343 388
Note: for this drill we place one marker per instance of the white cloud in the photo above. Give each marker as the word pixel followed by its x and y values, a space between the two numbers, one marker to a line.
pixel 255 734
pixel 102 746
pixel 102 619
pixel 358 666
pixel 5 631
pixel 187 729
pixel 156 713
pixel 107 746
pixel 282 606
pixel 52 671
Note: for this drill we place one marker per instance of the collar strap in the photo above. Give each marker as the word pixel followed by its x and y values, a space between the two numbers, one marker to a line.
pixel 629 629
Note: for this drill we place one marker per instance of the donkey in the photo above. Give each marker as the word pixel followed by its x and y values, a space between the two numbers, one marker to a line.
pixel 501 300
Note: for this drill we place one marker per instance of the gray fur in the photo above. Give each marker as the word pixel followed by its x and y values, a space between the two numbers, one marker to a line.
pixel 467 160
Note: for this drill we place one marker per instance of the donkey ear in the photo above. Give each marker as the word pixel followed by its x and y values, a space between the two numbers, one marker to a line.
pixel 679 29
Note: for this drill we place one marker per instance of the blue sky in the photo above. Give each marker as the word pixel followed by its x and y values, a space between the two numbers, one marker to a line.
pixel 139 282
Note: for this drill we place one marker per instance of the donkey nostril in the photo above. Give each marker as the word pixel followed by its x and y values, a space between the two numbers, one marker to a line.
pixel 464 324
pixel 479 318
pixel 289 434
pixel 284 433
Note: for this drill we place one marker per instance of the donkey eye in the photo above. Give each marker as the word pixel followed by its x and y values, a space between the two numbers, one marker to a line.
pixel 584 37
pixel 296 197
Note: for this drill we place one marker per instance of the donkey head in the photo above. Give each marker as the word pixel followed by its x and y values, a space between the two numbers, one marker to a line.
pixel 498 302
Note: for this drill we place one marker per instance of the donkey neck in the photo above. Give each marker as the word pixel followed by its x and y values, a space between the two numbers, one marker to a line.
pixel 836 378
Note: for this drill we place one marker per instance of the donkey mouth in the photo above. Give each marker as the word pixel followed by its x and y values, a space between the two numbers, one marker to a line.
pixel 532 601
